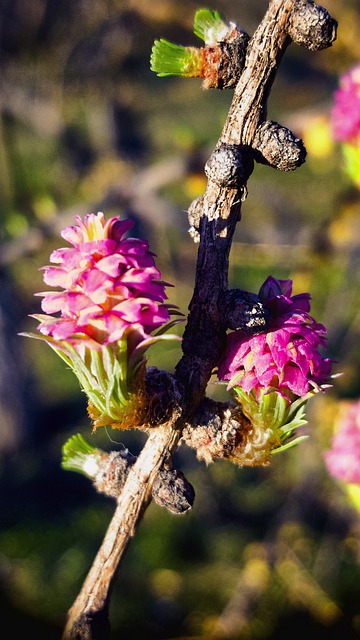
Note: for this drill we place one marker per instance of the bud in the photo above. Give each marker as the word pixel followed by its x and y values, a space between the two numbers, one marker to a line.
pixel 219 63
pixel 108 471
pixel 173 491
pixel 229 165
pixel 110 310
pixel 277 146
pixel 311 26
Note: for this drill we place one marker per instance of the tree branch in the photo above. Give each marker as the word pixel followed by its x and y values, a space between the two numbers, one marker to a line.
pixel 213 219
pixel 89 612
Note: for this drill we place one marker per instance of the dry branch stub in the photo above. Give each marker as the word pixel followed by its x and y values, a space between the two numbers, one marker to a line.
pixel 311 26
pixel 229 165
pixel 113 472
pixel 225 61
pixel 222 432
pixel 244 310
pixel 173 491
pixel 164 397
pixel 277 146
pixel 170 490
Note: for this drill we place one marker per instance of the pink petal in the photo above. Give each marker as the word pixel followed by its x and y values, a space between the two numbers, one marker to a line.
pixel 57 277
pixel 53 302
pixel 68 257
pixel 77 301
pixel 117 228
pixel 59 329
pixel 96 286
pixel 112 264
pixel 293 379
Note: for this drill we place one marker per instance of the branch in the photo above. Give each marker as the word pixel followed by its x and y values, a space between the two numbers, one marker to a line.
pixel 217 212
pixel 213 217
pixel 89 612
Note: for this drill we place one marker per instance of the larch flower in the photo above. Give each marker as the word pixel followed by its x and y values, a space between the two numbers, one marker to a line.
pixel 273 374
pixel 345 113
pixel 286 357
pixel 343 458
pixel 219 62
pixel 109 285
pixel 101 320
pixel 345 121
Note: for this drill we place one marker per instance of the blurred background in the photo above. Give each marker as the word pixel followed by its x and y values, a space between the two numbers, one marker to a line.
pixel 85 126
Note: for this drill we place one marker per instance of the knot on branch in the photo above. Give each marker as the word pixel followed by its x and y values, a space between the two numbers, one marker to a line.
pixel 195 213
pixel 219 431
pixel 277 146
pixel 224 62
pixel 173 491
pixel 170 489
pixel 113 471
pixel 311 26
pixel 163 397
pixel 229 165
pixel 244 310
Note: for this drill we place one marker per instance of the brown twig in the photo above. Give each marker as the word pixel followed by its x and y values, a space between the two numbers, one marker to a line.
pixel 87 617
pixel 213 218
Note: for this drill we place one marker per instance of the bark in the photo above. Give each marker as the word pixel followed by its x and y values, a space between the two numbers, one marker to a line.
pixel 88 615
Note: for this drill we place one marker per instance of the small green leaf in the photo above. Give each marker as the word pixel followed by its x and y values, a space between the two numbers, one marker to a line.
pixel 80 456
pixel 168 59
pixel 271 410
pixel 289 445
pixel 209 26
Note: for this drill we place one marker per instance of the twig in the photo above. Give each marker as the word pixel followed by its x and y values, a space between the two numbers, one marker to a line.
pixel 87 617
pixel 221 206
pixel 213 217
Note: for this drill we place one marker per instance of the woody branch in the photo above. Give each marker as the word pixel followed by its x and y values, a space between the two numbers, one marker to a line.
pixel 246 136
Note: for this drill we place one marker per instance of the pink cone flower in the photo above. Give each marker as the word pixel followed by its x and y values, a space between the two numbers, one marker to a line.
pixel 108 284
pixel 286 358
pixel 343 458
pixel 110 300
pixel 345 114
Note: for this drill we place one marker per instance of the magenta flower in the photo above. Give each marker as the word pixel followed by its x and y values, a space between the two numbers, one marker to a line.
pixel 343 458
pixel 109 284
pixel 345 114
pixel 100 322
pixel 287 357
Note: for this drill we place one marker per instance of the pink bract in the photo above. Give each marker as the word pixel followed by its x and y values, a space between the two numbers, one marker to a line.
pixel 343 459
pixel 109 285
pixel 345 113
pixel 285 358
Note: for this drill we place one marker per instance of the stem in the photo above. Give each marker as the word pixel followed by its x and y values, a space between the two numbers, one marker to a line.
pixel 89 612
pixel 205 330
pixel 265 50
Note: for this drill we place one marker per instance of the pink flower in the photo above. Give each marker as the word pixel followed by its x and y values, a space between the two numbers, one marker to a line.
pixel 108 284
pixel 345 114
pixel 343 459
pixel 285 358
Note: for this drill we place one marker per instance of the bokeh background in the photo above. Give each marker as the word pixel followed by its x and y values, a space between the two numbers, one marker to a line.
pixel 85 126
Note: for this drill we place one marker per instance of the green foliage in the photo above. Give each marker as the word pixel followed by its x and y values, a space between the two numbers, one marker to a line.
pixel 79 455
pixel 273 412
pixel 168 59
pixel 209 26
